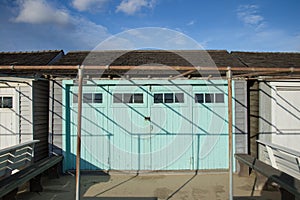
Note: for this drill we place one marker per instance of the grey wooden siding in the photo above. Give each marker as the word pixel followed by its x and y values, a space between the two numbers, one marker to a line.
pixel 240 103
pixel 241 128
pixel 253 116
pixel 41 117
pixel 25 115
pixel 265 117
pixel 56 117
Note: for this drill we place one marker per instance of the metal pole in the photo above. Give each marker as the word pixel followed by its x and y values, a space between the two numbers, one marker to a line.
pixel 80 77
pixel 230 149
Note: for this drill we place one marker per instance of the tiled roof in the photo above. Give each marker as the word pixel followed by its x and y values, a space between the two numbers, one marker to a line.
pixel 268 59
pixel 202 58
pixel 29 58
pixel 151 57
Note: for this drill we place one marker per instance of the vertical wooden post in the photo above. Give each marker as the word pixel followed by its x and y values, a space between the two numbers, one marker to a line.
pixel 80 77
pixel 230 148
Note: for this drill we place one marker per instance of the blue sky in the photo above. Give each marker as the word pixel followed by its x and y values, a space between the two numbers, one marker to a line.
pixel 243 25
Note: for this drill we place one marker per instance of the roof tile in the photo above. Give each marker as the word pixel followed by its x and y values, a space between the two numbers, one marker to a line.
pixel 268 59
pixel 28 58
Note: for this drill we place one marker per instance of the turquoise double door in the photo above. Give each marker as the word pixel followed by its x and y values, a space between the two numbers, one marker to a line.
pixel 148 127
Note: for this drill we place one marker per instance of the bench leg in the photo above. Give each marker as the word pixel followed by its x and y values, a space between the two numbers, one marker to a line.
pixel 285 195
pixel 35 184
pixel 11 195
pixel 243 170
pixel 53 172
pixel 260 181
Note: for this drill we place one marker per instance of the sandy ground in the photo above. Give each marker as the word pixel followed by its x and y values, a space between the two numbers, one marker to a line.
pixel 208 186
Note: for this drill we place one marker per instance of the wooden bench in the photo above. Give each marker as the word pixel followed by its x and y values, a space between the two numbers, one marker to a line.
pixel 17 168
pixel 289 185
pixel 282 158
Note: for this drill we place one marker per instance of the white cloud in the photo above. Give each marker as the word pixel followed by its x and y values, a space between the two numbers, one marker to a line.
pixel 190 23
pixel 87 34
pixel 131 7
pixel 45 26
pixel 149 38
pixel 276 40
pixel 84 5
pixel 249 15
pixel 39 12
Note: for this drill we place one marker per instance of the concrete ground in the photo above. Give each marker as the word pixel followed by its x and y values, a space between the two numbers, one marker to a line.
pixel 208 186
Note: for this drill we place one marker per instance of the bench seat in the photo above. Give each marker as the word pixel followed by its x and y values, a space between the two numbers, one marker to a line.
pixel 11 183
pixel 284 180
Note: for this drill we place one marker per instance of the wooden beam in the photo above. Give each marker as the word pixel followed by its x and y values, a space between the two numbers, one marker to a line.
pixel 167 68
pixel 182 74
pixel 255 74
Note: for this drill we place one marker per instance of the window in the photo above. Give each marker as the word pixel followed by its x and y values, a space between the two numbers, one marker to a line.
pixel 117 98
pixel 209 98
pixel 98 98
pixel 128 98
pixel 169 98
pixel 6 102
pixel 219 98
pixel 199 98
pixel 89 98
pixel 138 98
pixel 179 98
pixel 75 98
pixel 158 98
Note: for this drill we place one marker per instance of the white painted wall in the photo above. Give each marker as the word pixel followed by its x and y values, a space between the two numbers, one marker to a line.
pixel 9 119
pixel 286 114
pixel 16 122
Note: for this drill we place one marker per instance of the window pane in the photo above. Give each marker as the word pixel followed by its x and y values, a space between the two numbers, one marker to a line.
pixel 179 98
pixel 220 98
pixel 75 98
pixel 98 98
pixel 128 98
pixel 158 98
pixel 169 97
pixel 209 98
pixel 138 98
pixel 7 102
pixel 117 98
pixel 199 98
pixel 87 98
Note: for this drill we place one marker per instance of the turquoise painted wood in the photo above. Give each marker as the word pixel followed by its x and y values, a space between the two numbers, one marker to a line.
pixel 210 130
pixel 171 130
pixel 145 132
pixel 94 133
pixel 128 146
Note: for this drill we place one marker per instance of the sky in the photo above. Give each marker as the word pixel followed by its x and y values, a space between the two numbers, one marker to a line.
pixel 71 25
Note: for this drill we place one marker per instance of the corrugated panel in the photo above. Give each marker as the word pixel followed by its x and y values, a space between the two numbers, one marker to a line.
pixel 41 117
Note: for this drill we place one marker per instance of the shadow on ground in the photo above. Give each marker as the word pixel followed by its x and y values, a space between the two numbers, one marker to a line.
pixel 204 186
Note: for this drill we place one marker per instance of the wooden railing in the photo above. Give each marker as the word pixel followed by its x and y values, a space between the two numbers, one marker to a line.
pixel 282 158
pixel 15 158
